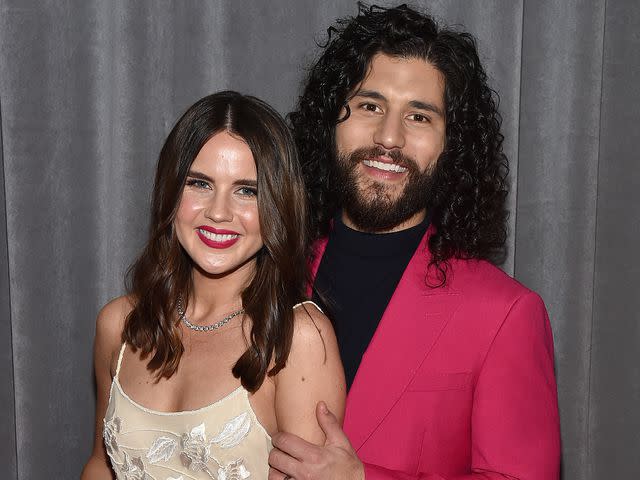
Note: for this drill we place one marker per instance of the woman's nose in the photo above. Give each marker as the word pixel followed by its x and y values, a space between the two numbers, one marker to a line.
pixel 219 208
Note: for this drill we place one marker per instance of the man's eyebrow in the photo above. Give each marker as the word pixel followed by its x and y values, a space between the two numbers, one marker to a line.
pixel 429 107
pixel 426 106
pixel 370 94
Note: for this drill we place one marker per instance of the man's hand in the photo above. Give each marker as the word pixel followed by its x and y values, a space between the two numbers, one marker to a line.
pixel 293 457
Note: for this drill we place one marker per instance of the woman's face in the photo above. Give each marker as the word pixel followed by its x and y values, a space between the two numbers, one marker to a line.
pixel 217 220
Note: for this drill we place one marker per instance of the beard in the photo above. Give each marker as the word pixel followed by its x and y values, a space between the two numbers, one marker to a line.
pixel 376 206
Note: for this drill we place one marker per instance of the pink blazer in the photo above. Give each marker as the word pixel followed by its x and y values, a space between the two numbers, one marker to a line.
pixel 458 381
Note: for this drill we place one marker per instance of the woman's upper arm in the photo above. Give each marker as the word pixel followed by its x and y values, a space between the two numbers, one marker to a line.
pixel 106 346
pixel 313 373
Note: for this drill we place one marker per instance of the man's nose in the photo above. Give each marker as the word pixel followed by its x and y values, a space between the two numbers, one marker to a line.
pixel 390 132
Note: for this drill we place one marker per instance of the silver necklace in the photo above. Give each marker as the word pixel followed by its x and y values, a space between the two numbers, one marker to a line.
pixel 204 328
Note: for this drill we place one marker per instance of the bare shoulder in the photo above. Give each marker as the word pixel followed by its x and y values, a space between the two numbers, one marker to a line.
pixel 311 326
pixel 313 373
pixel 314 345
pixel 111 317
pixel 110 323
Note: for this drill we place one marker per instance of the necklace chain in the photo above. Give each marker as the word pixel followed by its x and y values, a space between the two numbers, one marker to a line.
pixel 204 328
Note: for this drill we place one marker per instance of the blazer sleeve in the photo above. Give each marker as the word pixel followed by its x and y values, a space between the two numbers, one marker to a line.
pixel 515 421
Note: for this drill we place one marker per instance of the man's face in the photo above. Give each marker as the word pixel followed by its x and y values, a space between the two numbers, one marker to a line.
pixel 388 147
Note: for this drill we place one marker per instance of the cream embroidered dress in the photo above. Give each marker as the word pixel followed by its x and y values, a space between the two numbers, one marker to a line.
pixel 222 441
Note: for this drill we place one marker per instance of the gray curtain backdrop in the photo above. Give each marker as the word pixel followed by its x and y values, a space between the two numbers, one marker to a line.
pixel 89 89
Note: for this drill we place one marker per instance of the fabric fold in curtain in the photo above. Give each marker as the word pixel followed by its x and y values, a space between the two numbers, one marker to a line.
pixel 7 405
pixel 614 393
pixel 557 192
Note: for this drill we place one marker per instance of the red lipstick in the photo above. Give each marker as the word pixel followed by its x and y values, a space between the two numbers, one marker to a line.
pixel 217 238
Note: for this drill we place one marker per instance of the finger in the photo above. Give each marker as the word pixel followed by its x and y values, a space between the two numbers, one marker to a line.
pixel 294 446
pixel 276 474
pixel 285 464
pixel 330 426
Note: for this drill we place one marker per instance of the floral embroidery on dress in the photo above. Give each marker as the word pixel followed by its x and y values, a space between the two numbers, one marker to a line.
pixel 234 471
pixel 133 469
pixel 233 432
pixel 162 449
pixel 155 451
pixel 196 451
pixel 195 448
pixel 111 428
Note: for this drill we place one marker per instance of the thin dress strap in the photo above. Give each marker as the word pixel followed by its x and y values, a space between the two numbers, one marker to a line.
pixel 311 302
pixel 120 359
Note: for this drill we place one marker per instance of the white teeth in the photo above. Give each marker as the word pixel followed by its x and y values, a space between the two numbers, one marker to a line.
pixel 217 237
pixel 387 167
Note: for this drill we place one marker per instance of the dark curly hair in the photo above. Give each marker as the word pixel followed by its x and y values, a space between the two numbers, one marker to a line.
pixel 467 204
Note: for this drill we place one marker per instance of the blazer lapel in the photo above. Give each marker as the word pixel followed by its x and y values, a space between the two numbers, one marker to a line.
pixel 409 328
pixel 318 249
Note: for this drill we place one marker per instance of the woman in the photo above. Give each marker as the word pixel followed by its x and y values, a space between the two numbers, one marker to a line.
pixel 208 354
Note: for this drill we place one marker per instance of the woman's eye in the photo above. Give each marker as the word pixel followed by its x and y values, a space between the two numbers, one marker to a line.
pixel 194 182
pixel 248 191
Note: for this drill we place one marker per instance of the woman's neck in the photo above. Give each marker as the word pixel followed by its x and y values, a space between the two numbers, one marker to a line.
pixel 218 294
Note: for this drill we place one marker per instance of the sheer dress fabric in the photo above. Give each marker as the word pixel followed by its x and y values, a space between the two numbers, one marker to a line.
pixel 222 441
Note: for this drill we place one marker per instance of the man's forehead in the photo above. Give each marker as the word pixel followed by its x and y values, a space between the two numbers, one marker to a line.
pixel 415 79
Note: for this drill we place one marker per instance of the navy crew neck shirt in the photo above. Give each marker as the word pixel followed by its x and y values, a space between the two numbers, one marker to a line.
pixel 356 278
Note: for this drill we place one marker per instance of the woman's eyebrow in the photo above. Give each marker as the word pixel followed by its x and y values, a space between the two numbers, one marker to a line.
pixel 249 182
pixel 200 176
pixel 246 182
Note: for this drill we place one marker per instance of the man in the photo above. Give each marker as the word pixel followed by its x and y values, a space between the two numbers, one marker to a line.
pixel 449 361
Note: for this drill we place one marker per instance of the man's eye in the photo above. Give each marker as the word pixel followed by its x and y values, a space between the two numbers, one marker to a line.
pixel 418 117
pixel 194 182
pixel 370 107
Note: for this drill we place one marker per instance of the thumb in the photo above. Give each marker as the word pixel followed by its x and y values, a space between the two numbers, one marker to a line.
pixel 330 426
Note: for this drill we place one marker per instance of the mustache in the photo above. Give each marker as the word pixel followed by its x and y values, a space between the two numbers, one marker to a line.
pixel 366 153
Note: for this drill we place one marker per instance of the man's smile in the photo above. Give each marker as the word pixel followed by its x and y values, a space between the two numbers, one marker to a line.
pixel 387 167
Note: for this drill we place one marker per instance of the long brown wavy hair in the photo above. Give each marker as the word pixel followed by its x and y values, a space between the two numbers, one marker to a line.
pixel 163 272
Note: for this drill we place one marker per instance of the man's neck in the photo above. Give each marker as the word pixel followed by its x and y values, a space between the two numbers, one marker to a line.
pixel 411 222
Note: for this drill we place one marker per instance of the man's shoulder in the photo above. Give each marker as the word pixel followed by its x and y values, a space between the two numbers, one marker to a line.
pixel 481 293
pixel 481 279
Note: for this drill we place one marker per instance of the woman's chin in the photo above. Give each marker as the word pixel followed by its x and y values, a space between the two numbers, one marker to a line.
pixel 221 270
